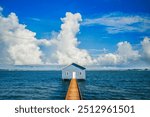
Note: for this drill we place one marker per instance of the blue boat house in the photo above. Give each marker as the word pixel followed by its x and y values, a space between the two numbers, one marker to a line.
pixel 74 71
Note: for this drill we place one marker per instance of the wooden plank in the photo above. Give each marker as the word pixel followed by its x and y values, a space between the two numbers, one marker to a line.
pixel 73 92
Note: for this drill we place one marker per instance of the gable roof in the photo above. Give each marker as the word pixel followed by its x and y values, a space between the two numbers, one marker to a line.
pixel 76 65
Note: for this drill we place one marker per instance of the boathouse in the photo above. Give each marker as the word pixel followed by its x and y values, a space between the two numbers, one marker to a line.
pixel 73 70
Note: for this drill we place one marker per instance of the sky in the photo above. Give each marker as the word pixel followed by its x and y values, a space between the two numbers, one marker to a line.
pixel 107 33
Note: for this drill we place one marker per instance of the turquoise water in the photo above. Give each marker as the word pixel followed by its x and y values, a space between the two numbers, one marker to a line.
pixel 48 85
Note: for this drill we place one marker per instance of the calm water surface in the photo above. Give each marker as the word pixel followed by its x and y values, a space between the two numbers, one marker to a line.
pixel 48 85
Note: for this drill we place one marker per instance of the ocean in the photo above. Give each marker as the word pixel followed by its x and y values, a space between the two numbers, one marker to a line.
pixel 99 85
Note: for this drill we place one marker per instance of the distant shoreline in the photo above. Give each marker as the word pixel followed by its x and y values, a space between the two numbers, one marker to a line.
pixel 60 67
pixel 86 70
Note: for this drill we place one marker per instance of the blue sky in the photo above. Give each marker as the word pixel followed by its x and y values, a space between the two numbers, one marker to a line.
pixel 43 16
pixel 104 24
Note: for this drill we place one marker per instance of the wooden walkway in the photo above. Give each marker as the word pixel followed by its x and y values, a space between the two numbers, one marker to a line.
pixel 73 92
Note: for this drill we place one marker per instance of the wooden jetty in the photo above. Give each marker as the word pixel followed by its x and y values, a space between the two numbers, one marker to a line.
pixel 73 92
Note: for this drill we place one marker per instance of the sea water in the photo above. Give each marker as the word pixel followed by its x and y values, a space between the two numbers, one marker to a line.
pixel 99 85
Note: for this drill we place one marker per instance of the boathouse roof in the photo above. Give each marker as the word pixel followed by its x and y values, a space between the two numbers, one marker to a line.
pixel 76 65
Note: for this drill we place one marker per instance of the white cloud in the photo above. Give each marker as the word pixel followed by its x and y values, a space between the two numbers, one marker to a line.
pixel 20 46
pixel 126 52
pixel 146 48
pixel 107 59
pixel 66 44
pixel 18 43
pixel 115 23
pixel 123 55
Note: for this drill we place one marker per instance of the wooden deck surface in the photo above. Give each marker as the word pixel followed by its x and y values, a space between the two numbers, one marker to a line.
pixel 73 92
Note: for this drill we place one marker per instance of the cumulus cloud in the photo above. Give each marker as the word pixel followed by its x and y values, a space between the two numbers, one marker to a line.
pixel 20 46
pixel 146 49
pixel 66 44
pixel 18 43
pixel 116 22
pixel 123 55
pixel 126 51
pixel 107 59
